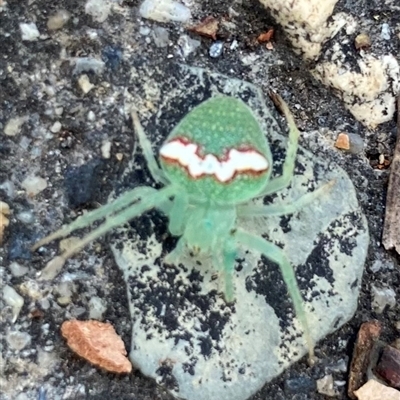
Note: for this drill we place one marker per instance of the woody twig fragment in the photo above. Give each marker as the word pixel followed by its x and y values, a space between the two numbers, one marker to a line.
pixel 391 228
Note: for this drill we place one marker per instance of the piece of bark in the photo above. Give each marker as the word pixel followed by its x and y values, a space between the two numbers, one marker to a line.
pixel 367 336
pixel 391 227
pixel 98 343
pixel 374 390
pixel 388 366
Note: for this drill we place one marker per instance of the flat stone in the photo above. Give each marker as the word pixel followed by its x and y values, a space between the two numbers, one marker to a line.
pixel 184 335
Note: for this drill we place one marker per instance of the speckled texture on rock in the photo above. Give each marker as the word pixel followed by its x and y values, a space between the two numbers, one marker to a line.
pixel 183 333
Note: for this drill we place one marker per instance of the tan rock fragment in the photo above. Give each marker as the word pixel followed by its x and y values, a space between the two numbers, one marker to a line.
pixel 4 221
pixel 343 142
pixel 98 343
pixel 374 390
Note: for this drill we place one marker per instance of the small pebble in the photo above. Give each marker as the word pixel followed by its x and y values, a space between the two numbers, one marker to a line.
pixel 187 45
pixel 164 11
pixel 385 32
pixel 34 185
pixel 99 10
pixel 84 84
pixel 26 217
pixel 97 308
pixel 325 386
pixel 382 298
pixel 58 20
pixel 145 30
pixel 362 41
pixel 14 125
pixel 52 268
pixel 56 127
pixel 13 299
pixel 4 221
pixel 106 149
pixel 29 31
pixel 342 141
pixel 88 64
pixel 18 340
pixel 91 116
pixel 17 269
pixel 160 36
pixel 216 49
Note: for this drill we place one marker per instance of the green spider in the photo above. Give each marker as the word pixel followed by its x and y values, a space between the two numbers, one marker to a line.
pixel 213 164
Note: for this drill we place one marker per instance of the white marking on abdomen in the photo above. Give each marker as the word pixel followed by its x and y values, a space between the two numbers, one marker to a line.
pixel 236 161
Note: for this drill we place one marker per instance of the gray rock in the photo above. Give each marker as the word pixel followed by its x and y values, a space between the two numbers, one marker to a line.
pixel 183 333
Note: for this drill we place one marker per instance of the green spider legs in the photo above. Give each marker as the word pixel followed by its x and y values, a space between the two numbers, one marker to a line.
pixel 251 210
pixel 156 172
pixel 283 181
pixel 126 207
pixel 277 255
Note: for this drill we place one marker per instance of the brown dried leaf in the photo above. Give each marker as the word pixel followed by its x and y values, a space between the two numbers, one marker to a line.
pixel 208 27
pixel 98 343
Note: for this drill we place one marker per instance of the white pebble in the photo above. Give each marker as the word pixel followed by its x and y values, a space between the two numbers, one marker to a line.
pixel 382 297
pixel 97 308
pixel 17 269
pixel 13 126
pixel 187 45
pixel 164 11
pixel 26 217
pixel 56 127
pixel 88 64
pixel 34 185
pixel 145 30
pixel 160 36
pixel 106 149
pixel 98 9
pixel 18 340
pixel 29 31
pixel 385 32
pixel 84 84
pixel 91 116
pixel 14 300
pixel 58 20
pixel 325 386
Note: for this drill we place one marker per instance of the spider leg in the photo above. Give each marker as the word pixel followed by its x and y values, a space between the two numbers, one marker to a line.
pixel 123 201
pixel 156 172
pixel 229 259
pixel 275 254
pixel 288 166
pixel 178 213
pixel 284 209
pixel 150 201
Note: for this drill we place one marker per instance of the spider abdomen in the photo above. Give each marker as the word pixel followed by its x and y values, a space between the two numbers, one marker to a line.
pixel 218 152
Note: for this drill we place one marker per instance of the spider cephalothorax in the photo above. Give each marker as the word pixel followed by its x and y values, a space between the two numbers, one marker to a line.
pixel 213 163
